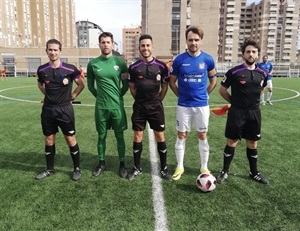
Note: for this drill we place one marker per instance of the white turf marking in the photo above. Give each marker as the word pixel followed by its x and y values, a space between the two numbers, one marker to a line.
pixel 160 213
pixel 295 96
pixel 165 106
pixel 161 223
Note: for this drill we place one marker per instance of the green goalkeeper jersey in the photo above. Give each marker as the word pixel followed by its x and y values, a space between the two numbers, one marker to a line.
pixel 104 79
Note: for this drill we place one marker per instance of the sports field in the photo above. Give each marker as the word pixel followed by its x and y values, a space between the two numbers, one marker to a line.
pixel 109 202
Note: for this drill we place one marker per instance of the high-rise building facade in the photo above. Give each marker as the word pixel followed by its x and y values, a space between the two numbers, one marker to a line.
pixel 30 23
pixel 88 33
pixel 26 26
pixel 231 14
pixel 166 21
pixel 274 24
pixel 131 43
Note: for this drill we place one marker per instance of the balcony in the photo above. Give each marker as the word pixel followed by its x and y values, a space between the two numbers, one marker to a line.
pixel 228 45
pixel 230 3
pixel 287 46
pixel 286 58
pixel 271 34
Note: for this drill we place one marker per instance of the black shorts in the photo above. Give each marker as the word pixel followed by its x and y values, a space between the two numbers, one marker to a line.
pixel 55 117
pixel 243 124
pixel 153 113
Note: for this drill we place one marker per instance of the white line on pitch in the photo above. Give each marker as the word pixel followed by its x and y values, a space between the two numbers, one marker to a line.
pixel 127 106
pixel 161 222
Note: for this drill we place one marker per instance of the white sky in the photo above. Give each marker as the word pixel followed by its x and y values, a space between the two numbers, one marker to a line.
pixel 110 15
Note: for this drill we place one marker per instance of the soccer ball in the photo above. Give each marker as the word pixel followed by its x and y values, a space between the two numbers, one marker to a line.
pixel 206 182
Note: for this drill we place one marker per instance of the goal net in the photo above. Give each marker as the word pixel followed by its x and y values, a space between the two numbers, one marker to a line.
pixel 294 73
pixel 22 72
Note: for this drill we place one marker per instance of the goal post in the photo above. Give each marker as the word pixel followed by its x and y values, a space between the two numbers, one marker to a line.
pixel 294 73
pixel 22 72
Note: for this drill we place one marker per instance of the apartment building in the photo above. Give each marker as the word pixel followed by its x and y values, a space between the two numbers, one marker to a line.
pixel 166 21
pixel 26 26
pixel 131 43
pixel 30 23
pixel 88 33
pixel 275 24
pixel 230 32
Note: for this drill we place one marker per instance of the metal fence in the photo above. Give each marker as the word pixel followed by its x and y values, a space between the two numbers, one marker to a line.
pixel 29 68
pixel 279 70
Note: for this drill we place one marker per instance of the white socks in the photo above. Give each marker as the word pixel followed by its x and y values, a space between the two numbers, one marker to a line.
pixel 269 95
pixel 204 153
pixel 203 150
pixel 179 152
pixel 262 97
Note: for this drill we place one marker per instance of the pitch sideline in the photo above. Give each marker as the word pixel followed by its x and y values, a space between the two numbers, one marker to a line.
pixel 160 213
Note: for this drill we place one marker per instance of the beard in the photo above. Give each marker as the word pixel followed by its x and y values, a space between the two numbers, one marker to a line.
pixel 250 63
pixel 106 51
pixel 146 56
pixel 193 49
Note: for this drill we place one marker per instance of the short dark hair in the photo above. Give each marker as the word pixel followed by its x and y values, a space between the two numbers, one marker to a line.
pixel 145 36
pixel 54 41
pixel 249 42
pixel 104 35
pixel 195 30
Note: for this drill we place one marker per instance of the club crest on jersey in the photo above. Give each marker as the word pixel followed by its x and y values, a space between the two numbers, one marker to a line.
pixel 201 65
pixel 116 67
pixel 158 77
pixel 47 81
pixel 65 81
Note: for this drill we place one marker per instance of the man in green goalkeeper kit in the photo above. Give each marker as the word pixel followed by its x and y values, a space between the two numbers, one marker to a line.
pixel 108 72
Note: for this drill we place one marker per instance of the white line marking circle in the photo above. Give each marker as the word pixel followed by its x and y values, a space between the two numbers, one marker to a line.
pixel 92 105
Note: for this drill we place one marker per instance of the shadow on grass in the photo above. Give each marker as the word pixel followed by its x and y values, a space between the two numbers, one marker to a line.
pixel 35 162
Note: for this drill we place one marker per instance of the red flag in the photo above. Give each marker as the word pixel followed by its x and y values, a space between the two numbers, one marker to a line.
pixel 220 110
